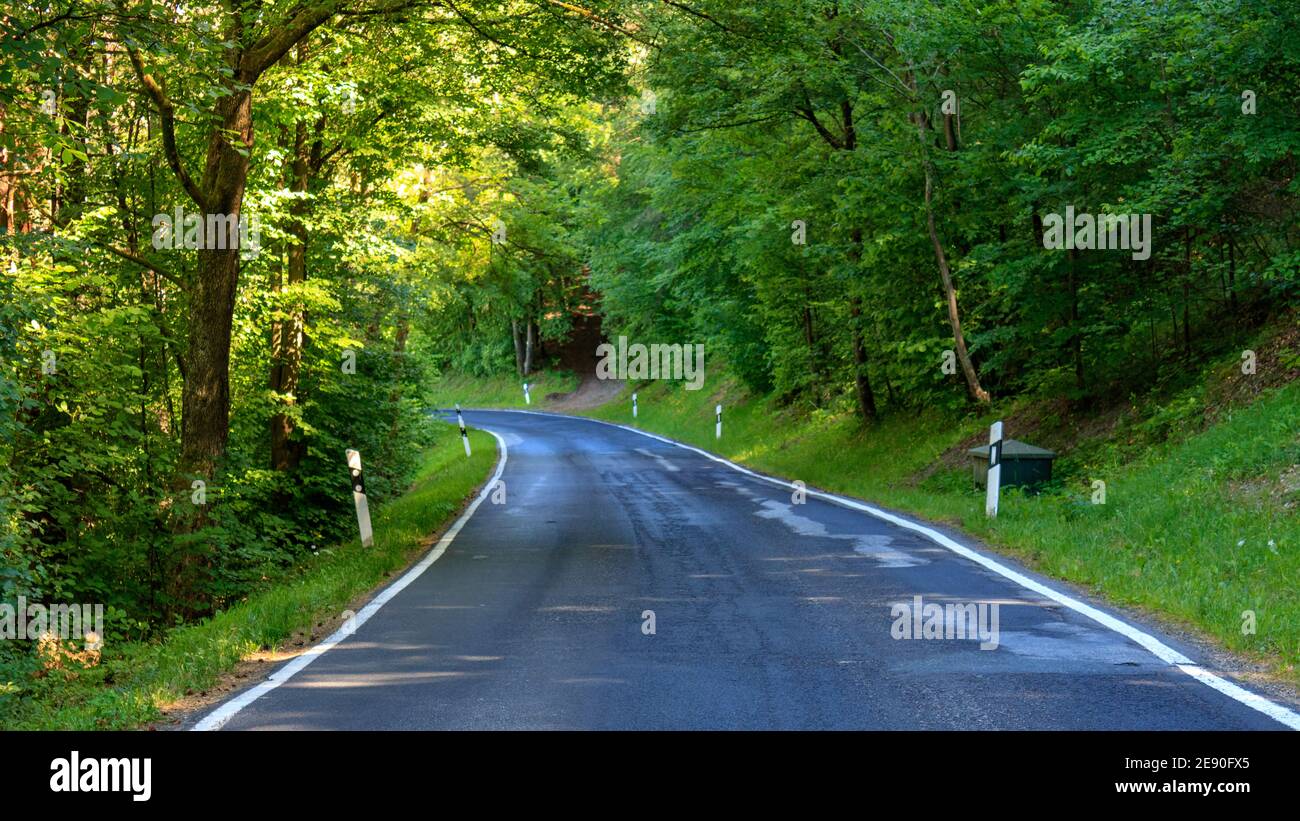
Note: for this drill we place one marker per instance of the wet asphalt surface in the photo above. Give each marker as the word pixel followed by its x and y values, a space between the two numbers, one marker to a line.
pixel 766 615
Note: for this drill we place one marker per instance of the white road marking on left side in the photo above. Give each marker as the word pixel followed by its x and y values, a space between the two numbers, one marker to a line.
pixel 218 717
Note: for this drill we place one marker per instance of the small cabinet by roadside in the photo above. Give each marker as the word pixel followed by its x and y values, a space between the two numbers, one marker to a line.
pixel 1023 465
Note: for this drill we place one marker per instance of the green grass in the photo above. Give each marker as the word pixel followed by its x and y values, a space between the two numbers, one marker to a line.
pixel 499 391
pixel 134 680
pixel 1184 533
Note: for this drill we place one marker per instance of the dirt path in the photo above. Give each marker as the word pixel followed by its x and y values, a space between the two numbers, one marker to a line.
pixel 590 393
pixel 578 354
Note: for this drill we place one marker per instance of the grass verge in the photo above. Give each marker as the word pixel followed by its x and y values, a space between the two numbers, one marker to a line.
pixel 133 682
pixel 499 391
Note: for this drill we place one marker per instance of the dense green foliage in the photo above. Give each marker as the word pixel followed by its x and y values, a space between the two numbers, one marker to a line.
pixel 173 420
pixel 868 123
pixel 834 114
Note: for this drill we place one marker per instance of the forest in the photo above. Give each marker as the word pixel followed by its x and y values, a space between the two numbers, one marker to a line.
pixel 240 238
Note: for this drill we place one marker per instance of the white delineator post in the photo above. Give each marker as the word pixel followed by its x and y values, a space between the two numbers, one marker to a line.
pixel 359 496
pixel 464 437
pixel 718 432
pixel 995 470
pixel 633 405
pixel 527 400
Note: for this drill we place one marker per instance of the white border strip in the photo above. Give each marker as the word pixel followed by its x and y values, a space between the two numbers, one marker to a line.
pixel 218 717
pixel 1159 649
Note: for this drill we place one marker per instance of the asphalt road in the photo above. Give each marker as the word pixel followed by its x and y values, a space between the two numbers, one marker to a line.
pixel 767 614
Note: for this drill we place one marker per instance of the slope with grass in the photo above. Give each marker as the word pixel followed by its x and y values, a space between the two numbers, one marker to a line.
pixel 134 683
pixel 500 391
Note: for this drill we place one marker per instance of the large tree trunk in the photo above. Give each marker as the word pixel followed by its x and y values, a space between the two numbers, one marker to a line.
pixel 205 397
pixel 205 393
pixel 8 185
pixel 847 140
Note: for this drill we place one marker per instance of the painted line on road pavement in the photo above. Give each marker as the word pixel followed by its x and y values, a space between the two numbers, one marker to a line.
pixel 1159 649
pixel 218 717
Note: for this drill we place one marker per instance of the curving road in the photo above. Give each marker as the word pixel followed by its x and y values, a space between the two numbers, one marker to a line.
pixel 767 614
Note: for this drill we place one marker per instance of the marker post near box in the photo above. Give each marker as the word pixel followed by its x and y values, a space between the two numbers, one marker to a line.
pixel 995 470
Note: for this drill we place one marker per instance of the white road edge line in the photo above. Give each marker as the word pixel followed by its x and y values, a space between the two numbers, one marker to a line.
pixel 218 717
pixel 1159 649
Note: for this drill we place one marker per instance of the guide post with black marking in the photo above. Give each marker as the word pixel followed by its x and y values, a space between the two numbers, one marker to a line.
pixel 527 400
pixel 995 470
pixel 633 405
pixel 359 496
pixel 464 437
pixel 718 432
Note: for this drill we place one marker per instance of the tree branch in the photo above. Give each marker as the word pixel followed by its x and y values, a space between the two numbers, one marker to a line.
pixel 477 29
pixel 735 124
pixel 267 51
pixel 167 113
pixel 808 114
pixel 596 18
pixel 706 17
pixel 141 261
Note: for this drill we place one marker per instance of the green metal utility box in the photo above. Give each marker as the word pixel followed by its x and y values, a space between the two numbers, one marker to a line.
pixel 1023 465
